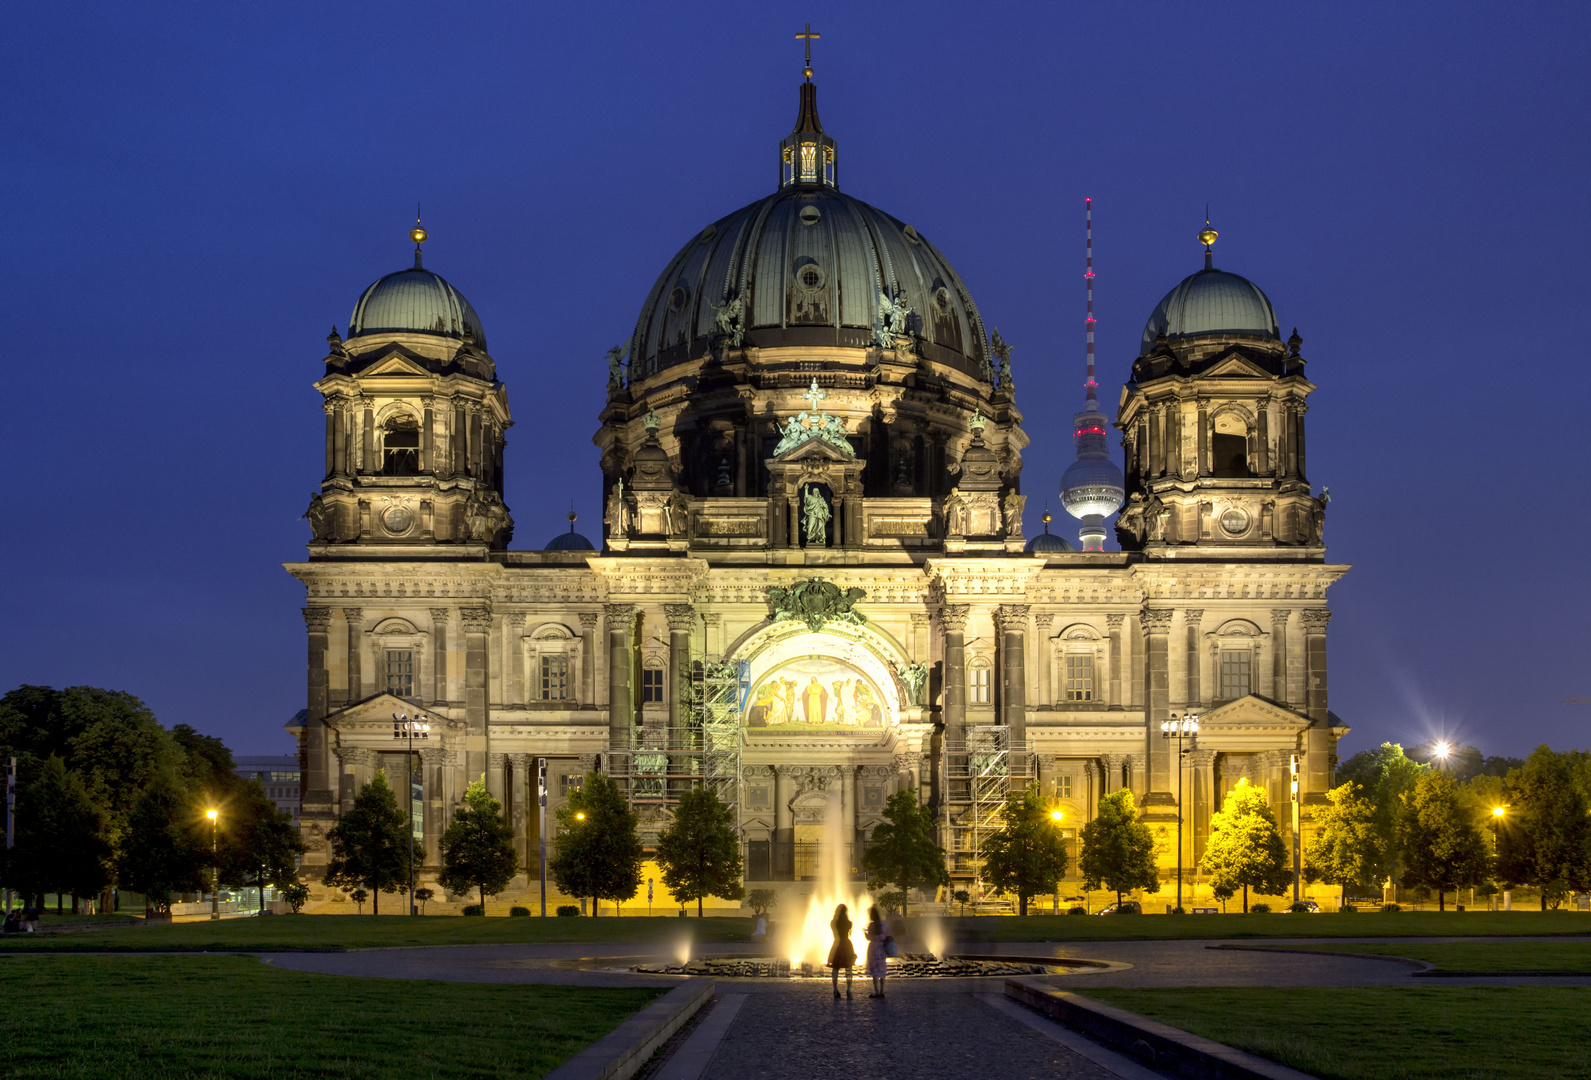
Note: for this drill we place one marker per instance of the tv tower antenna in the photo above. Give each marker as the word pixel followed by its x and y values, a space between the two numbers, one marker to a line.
pixel 1092 385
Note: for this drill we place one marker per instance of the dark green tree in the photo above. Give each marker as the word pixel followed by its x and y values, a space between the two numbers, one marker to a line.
pixel 60 846
pixel 1245 849
pixel 1343 850
pixel 1026 855
pixel 478 847
pixel 259 843
pixel 904 850
pixel 166 849
pixel 371 844
pixel 699 852
pixel 597 851
pixel 1384 775
pixel 1442 846
pixel 1118 850
pixel 1544 839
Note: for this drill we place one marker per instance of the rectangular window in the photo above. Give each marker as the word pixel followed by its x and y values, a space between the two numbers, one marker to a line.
pixel 570 782
pixel 1079 678
pixel 651 686
pixel 1236 673
pixel 555 678
pixel 1063 786
pixel 980 685
pixel 400 673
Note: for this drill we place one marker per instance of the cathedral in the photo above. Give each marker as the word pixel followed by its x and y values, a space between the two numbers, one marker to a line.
pixel 814 573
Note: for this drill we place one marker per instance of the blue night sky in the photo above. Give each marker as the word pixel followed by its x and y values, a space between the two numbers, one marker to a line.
pixel 195 194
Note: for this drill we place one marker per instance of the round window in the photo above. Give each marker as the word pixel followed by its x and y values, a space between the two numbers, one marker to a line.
pixel 677 298
pixel 811 215
pixel 397 519
pixel 1235 521
pixel 810 276
pixel 911 234
pixel 942 298
pixel 708 233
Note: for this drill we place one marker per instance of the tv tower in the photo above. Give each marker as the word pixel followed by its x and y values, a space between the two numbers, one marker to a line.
pixel 1091 488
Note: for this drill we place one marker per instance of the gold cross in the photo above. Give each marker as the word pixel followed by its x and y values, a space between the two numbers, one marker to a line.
pixel 809 37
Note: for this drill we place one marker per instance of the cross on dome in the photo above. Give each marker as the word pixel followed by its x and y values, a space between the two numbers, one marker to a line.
pixel 814 395
pixel 810 37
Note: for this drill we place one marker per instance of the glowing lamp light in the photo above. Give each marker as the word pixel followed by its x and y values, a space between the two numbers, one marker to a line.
pixel 211 814
pixel 1056 815
pixel 580 815
pixel 1443 750
pixel 1498 811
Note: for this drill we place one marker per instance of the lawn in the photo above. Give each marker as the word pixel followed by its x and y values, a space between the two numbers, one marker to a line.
pixel 1064 928
pixel 71 1017
pixel 275 932
pixel 1382 1033
pixel 1480 955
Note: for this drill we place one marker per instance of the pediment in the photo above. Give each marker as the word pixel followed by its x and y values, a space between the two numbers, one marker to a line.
pixel 1234 365
pixel 815 447
pixel 374 711
pixel 1251 712
pixel 396 364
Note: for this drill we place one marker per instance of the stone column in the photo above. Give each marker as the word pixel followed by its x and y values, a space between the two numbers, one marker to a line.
pixel 514 655
pixel 1205 465
pixel 953 621
pixel 783 827
pixel 1262 409
pixel 1317 768
pixel 1199 799
pixel 368 441
pixel 1133 642
pixel 1157 705
pixel 621 708
pixel 588 659
pixel 1042 658
pixel 439 644
pixel 316 762
pixel 354 617
pixel 1113 624
pixel 1011 620
pixel 522 796
pixel 495 767
pixel 427 436
pixel 1110 772
pixel 1298 441
pixel 1279 617
pixel 477 743
pixel 331 437
pixel 1190 621
pixel 713 634
pixel 1173 464
pixel 458 465
pixel 432 762
pixel 339 438
pixel 1156 458
pixel 681 621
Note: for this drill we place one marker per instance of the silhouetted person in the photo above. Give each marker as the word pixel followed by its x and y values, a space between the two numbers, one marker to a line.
pixel 842 954
pixel 877 934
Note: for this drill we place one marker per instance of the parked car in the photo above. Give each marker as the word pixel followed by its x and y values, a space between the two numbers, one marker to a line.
pixel 1126 907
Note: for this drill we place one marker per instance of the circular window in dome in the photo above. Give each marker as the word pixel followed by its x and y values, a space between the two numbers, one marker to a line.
pixel 1235 521
pixel 811 215
pixel 810 276
pixel 942 298
pixel 677 298
pixel 708 233
pixel 397 520
pixel 911 234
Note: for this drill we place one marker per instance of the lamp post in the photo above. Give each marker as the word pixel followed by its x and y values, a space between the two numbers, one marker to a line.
pixel 1057 816
pixel 215 864
pixel 1498 813
pixel 541 826
pixel 1183 729
pixel 408 730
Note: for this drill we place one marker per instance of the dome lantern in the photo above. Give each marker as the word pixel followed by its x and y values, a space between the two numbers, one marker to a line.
pixel 807 155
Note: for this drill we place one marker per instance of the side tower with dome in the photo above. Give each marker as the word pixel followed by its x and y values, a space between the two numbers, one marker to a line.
pixel 812 587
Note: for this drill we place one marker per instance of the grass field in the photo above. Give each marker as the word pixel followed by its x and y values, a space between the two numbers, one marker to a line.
pixel 371 931
pixel 1514 956
pixel 82 1017
pixel 1438 1033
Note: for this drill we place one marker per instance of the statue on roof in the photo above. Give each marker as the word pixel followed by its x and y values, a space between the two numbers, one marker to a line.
pixel 815 518
pixel 729 322
pixel 616 365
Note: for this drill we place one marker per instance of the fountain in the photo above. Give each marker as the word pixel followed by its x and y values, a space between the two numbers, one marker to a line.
pixel 809 944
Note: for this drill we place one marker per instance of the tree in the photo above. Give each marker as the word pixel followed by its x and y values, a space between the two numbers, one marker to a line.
pixel 1343 850
pixel 296 894
pixel 425 896
pixel 1026 855
pixel 1442 847
pixel 259 842
pixel 904 851
pixel 961 896
pixel 762 901
pixel 478 848
pixel 359 896
pixel 59 846
pixel 699 852
pixel 1118 850
pixel 1244 849
pixel 1384 775
pixel 597 851
pixel 164 851
pixel 1545 839
pixel 371 844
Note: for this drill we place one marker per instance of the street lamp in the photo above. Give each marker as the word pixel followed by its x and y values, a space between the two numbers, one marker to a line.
pixel 1442 749
pixel 409 730
pixel 1057 816
pixel 1183 729
pixel 215 864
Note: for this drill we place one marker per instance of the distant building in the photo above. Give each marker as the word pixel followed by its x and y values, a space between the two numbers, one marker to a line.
pixel 278 774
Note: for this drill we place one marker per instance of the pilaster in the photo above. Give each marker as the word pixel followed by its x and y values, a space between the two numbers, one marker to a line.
pixel 477 623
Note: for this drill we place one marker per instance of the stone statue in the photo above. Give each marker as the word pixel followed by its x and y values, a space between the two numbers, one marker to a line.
pixel 1317 516
pixel 321 525
pixel 1014 505
pixel 1155 515
pixel 955 513
pixel 616 517
pixel 674 514
pixel 730 321
pixel 915 676
pixel 1131 520
pixel 894 321
pixel 1002 353
pixel 816 602
pixel 616 365
pixel 815 516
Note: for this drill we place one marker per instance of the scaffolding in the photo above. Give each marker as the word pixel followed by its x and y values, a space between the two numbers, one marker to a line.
pixel 659 763
pixel 981 771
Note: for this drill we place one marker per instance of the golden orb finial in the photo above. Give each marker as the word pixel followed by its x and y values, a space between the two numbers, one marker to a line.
pixel 1207 235
pixel 417 234
pixel 1046 518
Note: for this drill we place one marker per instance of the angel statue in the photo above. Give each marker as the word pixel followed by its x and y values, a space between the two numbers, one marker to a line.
pixel 815 516
pixel 616 364
pixel 729 322
pixel 915 676
pixel 1002 353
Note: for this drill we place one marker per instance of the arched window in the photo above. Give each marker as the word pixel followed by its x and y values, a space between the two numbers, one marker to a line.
pixel 400 446
pixel 1229 445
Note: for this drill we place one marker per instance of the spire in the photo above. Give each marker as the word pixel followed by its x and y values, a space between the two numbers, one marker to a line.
pixel 1090 386
pixel 1207 237
pixel 806 156
pixel 418 235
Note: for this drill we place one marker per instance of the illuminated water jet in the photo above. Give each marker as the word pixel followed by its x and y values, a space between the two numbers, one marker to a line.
pixel 833 887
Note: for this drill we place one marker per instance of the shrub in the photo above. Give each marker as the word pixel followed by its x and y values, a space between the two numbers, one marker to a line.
pixel 1347 909
pixel 566 910
pixel 296 894
pixel 474 909
pixel 892 902
pixel 1259 909
pixel 424 896
pixel 1389 909
pixel 1077 910
pixel 517 911
pixel 1298 907
pixel 762 901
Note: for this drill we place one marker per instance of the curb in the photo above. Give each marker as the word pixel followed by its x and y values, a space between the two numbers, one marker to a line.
pixel 622 1052
pixel 1170 1049
pixel 1425 966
